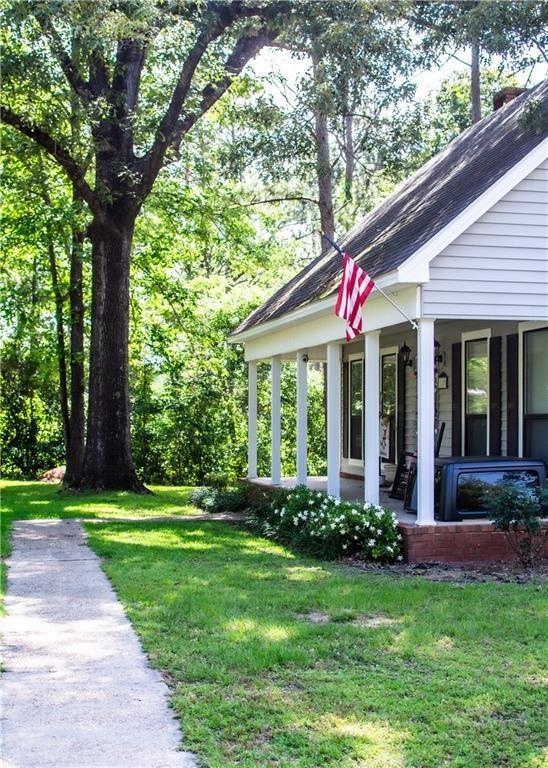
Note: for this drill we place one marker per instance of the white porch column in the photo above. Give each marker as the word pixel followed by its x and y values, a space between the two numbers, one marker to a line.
pixel 333 418
pixel 252 419
pixel 302 416
pixel 275 420
pixel 371 420
pixel 425 419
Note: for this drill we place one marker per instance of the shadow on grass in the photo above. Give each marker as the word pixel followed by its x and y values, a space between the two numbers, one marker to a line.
pixel 255 683
pixel 25 500
pixel 20 497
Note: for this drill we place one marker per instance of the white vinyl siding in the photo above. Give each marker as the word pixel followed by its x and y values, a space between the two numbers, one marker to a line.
pixel 498 268
pixel 411 404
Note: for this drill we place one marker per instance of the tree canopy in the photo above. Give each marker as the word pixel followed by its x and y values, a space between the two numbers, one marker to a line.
pixel 156 189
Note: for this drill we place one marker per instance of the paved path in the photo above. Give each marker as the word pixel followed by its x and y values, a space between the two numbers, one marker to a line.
pixel 78 692
pixel 225 517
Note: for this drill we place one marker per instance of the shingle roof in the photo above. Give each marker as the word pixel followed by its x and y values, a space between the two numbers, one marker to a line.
pixel 420 208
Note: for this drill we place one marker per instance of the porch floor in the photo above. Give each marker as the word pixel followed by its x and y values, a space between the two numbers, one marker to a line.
pixel 352 490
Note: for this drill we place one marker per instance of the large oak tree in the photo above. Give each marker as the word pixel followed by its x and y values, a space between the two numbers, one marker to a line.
pixel 145 73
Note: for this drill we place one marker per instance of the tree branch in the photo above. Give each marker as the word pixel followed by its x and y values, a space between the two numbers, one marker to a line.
pixel 130 59
pixel 73 76
pixel 164 134
pixel 245 49
pixel 540 49
pixel 98 73
pixel 55 150
pixel 300 198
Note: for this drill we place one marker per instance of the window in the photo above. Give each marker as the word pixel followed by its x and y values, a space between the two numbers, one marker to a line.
pixel 388 405
pixel 472 486
pixel 476 396
pixel 356 409
pixel 535 405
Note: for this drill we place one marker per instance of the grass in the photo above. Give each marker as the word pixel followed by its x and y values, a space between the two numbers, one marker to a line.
pixel 23 500
pixel 407 673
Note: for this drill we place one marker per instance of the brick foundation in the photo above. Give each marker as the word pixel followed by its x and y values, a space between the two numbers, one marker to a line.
pixel 459 543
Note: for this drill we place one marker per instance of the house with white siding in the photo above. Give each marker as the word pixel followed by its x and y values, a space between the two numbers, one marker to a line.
pixel 462 248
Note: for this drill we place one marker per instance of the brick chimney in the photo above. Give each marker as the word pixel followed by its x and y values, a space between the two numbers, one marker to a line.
pixel 506 94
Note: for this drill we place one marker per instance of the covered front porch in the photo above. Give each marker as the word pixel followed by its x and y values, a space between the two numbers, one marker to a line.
pixel 449 388
pixel 350 475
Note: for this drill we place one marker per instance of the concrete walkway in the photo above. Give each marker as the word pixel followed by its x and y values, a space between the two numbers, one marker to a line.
pixel 77 691
pixel 224 517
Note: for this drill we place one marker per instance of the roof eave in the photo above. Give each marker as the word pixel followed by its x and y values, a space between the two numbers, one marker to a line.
pixel 309 311
pixel 415 269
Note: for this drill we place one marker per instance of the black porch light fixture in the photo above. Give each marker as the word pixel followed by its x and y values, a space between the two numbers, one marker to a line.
pixel 439 356
pixel 405 353
pixel 443 380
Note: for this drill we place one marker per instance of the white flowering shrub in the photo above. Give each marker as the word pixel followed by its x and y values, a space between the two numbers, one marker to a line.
pixel 329 528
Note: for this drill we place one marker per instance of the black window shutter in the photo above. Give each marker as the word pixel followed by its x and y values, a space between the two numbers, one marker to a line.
pixel 400 406
pixel 345 410
pixel 495 404
pixel 512 394
pixel 456 399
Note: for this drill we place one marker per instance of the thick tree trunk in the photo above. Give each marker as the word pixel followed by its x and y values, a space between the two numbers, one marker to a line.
pixel 323 158
pixel 108 461
pixel 76 448
pixel 77 429
pixel 475 88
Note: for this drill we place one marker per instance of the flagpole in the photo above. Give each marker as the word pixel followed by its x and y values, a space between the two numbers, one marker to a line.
pixel 380 290
pixel 400 310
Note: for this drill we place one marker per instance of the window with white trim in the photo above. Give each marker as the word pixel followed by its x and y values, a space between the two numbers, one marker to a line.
pixel 475 402
pixel 535 393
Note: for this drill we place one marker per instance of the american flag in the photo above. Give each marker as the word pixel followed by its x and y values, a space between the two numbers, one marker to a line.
pixel 356 285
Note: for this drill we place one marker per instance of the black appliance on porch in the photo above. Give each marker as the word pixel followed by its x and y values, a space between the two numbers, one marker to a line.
pixel 460 483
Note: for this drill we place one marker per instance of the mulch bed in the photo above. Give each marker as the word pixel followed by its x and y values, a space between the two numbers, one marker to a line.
pixel 54 475
pixel 467 573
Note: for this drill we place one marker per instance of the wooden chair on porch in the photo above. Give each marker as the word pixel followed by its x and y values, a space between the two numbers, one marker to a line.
pixel 402 487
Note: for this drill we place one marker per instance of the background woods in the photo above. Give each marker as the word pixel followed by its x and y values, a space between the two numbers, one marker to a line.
pixel 156 189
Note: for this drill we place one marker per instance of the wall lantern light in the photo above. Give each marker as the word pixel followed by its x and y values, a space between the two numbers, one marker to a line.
pixel 405 353
pixel 443 380
pixel 439 356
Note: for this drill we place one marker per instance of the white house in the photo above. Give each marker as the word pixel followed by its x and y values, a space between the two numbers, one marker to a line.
pixel 462 247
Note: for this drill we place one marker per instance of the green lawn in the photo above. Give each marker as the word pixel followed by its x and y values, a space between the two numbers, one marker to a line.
pixel 407 673
pixel 22 500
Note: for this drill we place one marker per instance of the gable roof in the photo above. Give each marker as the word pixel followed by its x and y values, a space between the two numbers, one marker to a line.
pixel 419 209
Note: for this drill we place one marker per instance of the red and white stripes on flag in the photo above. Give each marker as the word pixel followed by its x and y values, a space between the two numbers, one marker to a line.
pixel 356 285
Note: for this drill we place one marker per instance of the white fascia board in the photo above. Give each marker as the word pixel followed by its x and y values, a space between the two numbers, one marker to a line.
pixel 413 269
pixel 315 309
pixel 310 311
pixel 317 330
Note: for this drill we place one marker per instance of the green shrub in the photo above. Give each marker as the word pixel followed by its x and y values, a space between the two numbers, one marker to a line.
pixel 222 481
pixel 217 500
pixel 327 527
pixel 518 510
